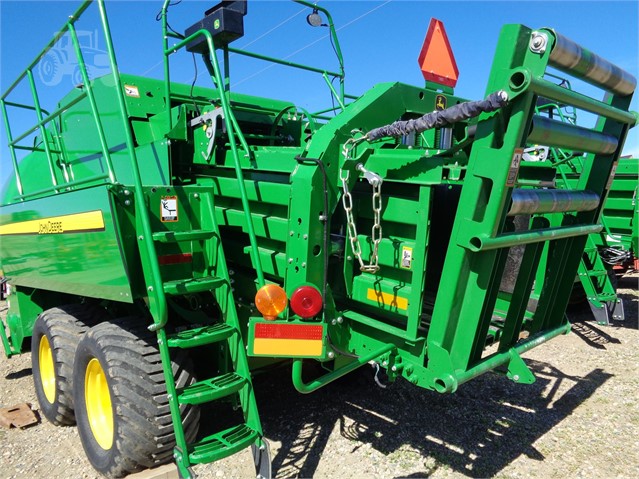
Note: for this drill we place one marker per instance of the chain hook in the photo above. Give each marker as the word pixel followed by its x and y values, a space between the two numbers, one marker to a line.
pixel 347 201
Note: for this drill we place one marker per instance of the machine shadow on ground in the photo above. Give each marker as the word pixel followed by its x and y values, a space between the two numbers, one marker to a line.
pixel 477 431
pixel 630 301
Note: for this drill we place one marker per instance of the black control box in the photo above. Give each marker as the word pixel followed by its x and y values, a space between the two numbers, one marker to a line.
pixel 225 22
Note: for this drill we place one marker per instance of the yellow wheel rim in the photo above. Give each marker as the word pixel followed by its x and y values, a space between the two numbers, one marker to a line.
pixel 97 398
pixel 47 371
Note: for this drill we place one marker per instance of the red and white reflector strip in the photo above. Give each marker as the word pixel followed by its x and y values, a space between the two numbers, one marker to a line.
pixel 288 340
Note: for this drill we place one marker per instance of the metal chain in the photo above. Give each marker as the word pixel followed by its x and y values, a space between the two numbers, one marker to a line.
pixel 376 232
pixel 347 202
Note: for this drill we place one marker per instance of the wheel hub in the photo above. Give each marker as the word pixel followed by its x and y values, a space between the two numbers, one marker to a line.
pixel 47 371
pixel 98 401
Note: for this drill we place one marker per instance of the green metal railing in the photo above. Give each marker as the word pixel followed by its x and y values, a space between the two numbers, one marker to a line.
pixel 157 302
pixel 231 122
pixel 223 85
pixel 339 96
pixel 50 119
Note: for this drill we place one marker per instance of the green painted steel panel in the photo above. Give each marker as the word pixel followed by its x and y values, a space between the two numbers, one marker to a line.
pixel 41 254
pixel 265 225
pixel 265 190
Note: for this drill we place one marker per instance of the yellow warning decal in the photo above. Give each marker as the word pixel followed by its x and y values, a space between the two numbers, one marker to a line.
pixel 385 299
pixel 74 223
pixel 287 347
pixel 284 339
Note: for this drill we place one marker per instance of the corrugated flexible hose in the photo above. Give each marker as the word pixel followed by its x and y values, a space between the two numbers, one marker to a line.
pixel 439 118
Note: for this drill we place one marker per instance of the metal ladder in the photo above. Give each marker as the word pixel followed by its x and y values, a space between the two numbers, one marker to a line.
pixel 593 275
pixel 234 380
pixel 237 381
pixel 600 292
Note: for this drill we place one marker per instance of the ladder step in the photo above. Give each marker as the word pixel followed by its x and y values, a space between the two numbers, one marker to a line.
pixel 193 285
pixel 596 273
pixel 177 236
pixel 211 389
pixel 192 338
pixel 605 297
pixel 222 444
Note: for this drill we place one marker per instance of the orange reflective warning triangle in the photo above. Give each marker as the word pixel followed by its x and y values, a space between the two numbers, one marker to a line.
pixel 436 58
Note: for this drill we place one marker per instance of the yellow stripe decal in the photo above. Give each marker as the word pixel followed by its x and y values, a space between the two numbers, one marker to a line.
pixel 78 222
pixel 287 347
pixel 385 299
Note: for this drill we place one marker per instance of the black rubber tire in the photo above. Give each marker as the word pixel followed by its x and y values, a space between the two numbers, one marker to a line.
pixel 143 435
pixel 63 327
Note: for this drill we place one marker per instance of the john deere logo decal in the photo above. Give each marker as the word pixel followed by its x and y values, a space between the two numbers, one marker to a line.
pixel 85 222
pixel 440 102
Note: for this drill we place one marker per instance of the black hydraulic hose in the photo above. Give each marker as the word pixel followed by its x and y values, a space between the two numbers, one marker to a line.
pixel 439 118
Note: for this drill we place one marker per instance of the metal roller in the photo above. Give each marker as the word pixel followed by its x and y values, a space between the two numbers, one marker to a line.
pixel 526 202
pixel 545 131
pixel 572 58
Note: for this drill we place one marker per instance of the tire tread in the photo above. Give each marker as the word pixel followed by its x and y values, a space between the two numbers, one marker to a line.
pixel 65 326
pixel 144 435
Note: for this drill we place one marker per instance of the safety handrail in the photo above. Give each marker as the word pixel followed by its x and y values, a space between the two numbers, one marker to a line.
pixel 335 42
pixel 157 300
pixel 52 116
pixel 232 125
pixel 72 19
pixel 44 121
pixel 287 63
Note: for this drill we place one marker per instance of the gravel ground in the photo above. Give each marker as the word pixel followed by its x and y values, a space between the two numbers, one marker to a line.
pixel 580 419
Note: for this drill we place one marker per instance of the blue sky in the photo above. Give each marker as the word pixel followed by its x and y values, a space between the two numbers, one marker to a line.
pixel 380 42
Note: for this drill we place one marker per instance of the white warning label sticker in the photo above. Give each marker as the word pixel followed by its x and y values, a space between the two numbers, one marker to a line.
pixel 407 257
pixel 511 179
pixel 168 208
pixel 131 90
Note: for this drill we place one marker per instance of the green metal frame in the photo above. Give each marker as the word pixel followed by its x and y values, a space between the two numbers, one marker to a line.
pixel 229 119
pixel 456 331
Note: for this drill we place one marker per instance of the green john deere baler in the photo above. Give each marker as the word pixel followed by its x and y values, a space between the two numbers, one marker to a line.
pixel 152 224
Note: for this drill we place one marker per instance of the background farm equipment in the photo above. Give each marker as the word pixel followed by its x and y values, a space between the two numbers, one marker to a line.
pixel 611 251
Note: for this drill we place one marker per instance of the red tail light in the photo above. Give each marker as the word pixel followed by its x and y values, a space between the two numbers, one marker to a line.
pixel 306 302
